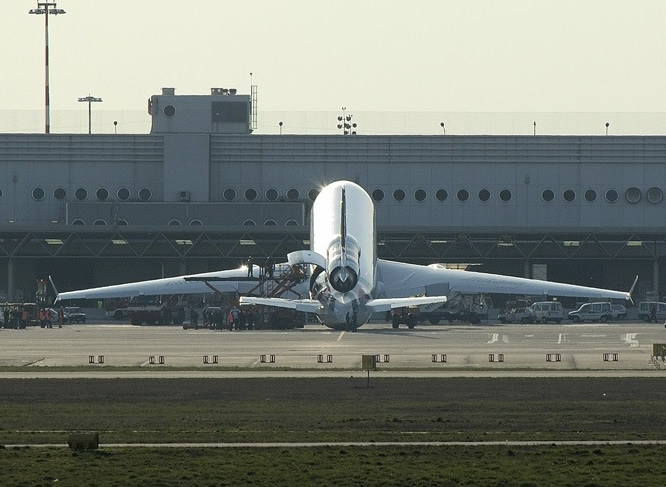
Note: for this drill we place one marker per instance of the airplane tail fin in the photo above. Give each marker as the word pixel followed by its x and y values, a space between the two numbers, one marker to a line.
pixel 343 219
pixel 55 290
pixel 631 291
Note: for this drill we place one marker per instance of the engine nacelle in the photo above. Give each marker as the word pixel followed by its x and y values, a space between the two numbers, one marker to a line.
pixel 343 264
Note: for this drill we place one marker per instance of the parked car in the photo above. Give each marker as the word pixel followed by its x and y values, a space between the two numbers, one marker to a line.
pixel 73 314
pixel 516 315
pixel 645 309
pixel 545 311
pixel 618 311
pixel 592 312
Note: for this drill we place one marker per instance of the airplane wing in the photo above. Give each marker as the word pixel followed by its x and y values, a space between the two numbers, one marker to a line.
pixel 234 280
pixel 396 279
pixel 387 304
pixel 305 305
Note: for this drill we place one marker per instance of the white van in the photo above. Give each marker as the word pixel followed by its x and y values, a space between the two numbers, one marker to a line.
pixel 645 309
pixel 592 312
pixel 545 311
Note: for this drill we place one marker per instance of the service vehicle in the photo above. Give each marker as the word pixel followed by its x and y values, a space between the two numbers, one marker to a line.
pixel 519 315
pixel 592 312
pixel 116 308
pixel 618 311
pixel 545 311
pixel 73 314
pixel 646 310
pixel 161 310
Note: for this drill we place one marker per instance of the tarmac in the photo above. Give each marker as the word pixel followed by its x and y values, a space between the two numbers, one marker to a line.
pixel 107 349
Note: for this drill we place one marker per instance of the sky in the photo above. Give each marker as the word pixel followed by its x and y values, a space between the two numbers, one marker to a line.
pixel 370 56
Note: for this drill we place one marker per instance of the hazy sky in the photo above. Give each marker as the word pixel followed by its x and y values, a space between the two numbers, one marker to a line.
pixel 367 55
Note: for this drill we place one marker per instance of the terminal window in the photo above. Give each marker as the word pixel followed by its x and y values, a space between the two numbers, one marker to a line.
pixel 230 112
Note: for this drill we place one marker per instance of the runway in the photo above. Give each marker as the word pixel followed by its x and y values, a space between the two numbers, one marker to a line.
pixel 618 349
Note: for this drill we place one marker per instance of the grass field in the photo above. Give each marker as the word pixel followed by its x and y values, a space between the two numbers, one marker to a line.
pixel 292 410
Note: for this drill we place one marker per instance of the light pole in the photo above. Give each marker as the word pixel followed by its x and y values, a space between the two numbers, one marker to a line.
pixel 46 8
pixel 90 100
pixel 345 123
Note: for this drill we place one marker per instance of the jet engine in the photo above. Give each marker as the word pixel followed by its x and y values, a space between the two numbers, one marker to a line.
pixel 342 264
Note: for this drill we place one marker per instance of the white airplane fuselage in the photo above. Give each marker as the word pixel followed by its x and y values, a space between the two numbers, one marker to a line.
pixel 343 233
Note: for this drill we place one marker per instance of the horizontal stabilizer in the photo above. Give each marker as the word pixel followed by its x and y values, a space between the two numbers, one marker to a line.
pixel 387 304
pixel 305 305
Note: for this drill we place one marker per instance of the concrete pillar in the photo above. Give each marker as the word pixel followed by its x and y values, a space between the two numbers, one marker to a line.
pixel 655 279
pixel 11 285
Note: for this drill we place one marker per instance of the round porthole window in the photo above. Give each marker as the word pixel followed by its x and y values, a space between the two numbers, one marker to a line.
pixel 654 195
pixel 121 222
pixel 174 222
pixel 270 223
pixel 398 195
pixel 196 223
pixel 441 195
pixel 99 222
pixel 293 194
pixel 81 194
pixel 548 195
pixel 59 193
pixel 229 194
pixel 145 194
pixel 590 195
pixel 291 223
pixel 569 195
pixel 123 194
pixel 38 194
pixel 462 195
pixel 378 195
pixel 313 193
pixel 633 195
pixel 169 110
pixel 78 221
pixel 249 223
pixel 250 194
pixel 484 195
pixel 420 195
pixel 612 196
pixel 102 194
pixel 272 194
pixel 505 195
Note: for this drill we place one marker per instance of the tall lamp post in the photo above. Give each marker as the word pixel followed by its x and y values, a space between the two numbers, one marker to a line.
pixel 46 9
pixel 90 100
pixel 345 123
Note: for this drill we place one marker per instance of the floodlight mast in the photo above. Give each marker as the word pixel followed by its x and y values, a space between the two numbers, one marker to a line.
pixel 90 100
pixel 46 9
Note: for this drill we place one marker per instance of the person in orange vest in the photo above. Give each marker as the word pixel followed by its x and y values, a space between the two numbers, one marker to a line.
pixel 42 319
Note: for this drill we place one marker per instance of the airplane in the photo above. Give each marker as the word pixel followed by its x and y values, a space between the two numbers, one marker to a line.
pixel 347 281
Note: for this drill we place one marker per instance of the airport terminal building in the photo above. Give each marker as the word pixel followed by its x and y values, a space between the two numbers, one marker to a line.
pixel 201 192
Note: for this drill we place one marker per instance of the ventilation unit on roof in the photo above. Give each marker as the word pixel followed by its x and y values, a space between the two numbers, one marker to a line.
pixel 184 196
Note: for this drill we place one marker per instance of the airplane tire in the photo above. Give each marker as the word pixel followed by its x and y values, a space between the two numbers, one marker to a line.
pixel 433 320
pixel 396 321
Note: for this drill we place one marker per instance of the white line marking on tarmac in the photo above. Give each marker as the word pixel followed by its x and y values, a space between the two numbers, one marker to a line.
pixel 341 335
pixel 495 338
pixel 631 340
pixel 562 338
